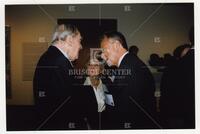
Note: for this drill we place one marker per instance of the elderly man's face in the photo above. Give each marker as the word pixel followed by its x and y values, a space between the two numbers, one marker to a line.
pixel 76 47
pixel 109 52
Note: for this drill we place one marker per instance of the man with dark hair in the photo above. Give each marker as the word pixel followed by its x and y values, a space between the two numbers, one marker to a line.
pixel 187 83
pixel 133 92
pixel 181 50
pixel 117 36
pixel 178 90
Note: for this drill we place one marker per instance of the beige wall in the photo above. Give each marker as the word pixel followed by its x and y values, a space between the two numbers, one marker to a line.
pixel 28 23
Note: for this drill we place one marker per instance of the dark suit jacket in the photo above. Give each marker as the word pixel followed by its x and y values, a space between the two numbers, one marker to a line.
pixel 61 101
pixel 53 88
pixel 178 94
pixel 134 94
pixel 187 89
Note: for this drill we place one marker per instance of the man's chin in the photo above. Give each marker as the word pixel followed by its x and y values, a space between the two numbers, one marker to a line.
pixel 74 59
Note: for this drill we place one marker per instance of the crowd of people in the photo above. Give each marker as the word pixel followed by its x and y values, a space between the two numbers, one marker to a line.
pixel 177 88
pixel 177 85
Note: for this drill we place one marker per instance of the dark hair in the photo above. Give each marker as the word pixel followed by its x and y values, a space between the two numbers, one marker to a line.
pixel 117 36
pixel 133 49
pixel 177 52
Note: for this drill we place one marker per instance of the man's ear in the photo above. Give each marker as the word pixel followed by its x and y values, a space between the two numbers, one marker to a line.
pixel 69 40
pixel 117 44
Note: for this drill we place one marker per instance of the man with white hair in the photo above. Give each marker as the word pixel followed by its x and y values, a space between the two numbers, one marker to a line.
pixel 52 83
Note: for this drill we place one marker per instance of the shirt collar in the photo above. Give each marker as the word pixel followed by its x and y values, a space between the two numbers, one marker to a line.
pixel 100 86
pixel 65 54
pixel 121 58
pixel 88 82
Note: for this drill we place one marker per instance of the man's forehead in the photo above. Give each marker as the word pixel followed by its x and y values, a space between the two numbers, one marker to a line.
pixel 105 41
pixel 93 65
pixel 106 38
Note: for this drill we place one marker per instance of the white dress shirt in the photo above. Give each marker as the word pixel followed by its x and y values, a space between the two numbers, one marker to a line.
pixel 99 94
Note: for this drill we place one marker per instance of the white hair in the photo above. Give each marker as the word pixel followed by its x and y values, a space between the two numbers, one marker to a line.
pixel 62 31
